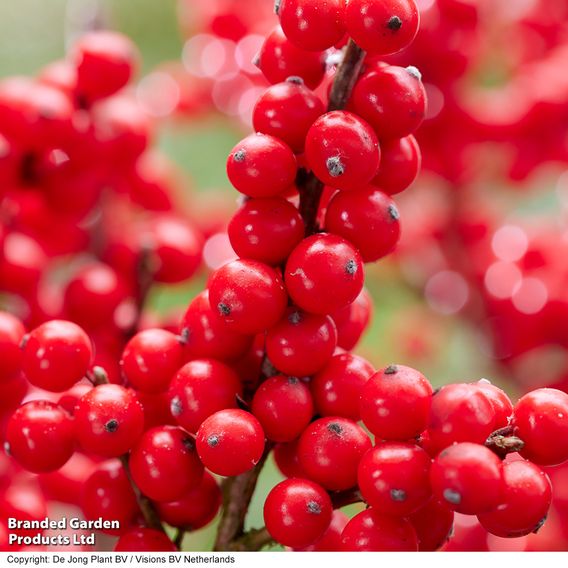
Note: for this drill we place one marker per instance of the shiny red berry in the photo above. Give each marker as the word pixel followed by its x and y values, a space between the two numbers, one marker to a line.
pixel 144 540
pixel 395 403
pixel 330 450
pixel 400 163
pixel 499 400
pixel 468 478
pixel 56 355
pixel 324 273
pixel 164 463
pixel 297 512
pixel 300 344
pixel 261 166
pixel 331 539
pixel 151 358
pixel 352 320
pixel 382 27
pixel 287 459
pixel 286 111
pixel 201 388
pixel 230 442
pixel 249 296
pixel 40 436
pixel 109 419
pixel 433 524
pixel 342 150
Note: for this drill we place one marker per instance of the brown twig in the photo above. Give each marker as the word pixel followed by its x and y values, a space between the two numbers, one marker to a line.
pixel 504 441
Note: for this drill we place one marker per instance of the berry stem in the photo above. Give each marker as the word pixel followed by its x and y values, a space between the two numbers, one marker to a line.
pixel 309 185
pixel 504 441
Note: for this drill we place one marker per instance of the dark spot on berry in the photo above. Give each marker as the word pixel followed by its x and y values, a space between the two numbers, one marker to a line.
pixel 184 335
pixel 335 428
pixel 394 24
pixel 293 380
pixel 239 156
pixel 413 72
pixel 295 80
pixel 224 310
pixel 452 496
pixel 335 167
pixel 24 341
pixel 295 318
pixel 112 425
pixel 188 444
pixel 436 391
pixel 176 407
pixel 398 495
pixel 313 508
pixel 256 60
pixel 277 6
pixel 391 370
pixel 351 267
pixel 393 213
pixel 213 440
pixel 7 448
pixel 540 524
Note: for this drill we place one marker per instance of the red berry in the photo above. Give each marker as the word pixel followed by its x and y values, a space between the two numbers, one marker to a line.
pixel 286 111
pixel 352 320
pixel 527 497
pixel 382 27
pixel 266 230
pixel 395 403
pixel 204 335
pixel 391 99
pixel 394 478
pixel 109 419
pixel 287 459
pixel 342 150
pixel 541 420
pixel 196 509
pixel 300 344
pixel 56 355
pixel 367 218
pixel 151 358
pixel 164 463
pixel 400 163
pixel 12 332
pixel 40 436
pixel 433 524
pixel 330 450
pixel 337 387
pixel 144 540
pixel 201 388
pixel 297 512
pixel 279 59
pixel 249 296
pixel 499 400
pixel 230 442
pixel 105 63
pixel 107 494
pixel 460 413
pixel 369 531
pixel 331 539
pixel 176 246
pixel 468 478
pixel 284 407
pixel 311 25
pixel 261 166
pixel 324 273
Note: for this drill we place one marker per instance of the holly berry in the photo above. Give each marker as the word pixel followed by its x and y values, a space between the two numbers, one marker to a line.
pixel 266 230
pixel 286 111
pixel 331 539
pixel 433 524
pixel 297 512
pixel 395 403
pixel 201 388
pixel 526 500
pixel 352 320
pixel 300 344
pixel 40 436
pixel 369 531
pixel 499 400
pixel 230 442
pixel 400 163
pixel 284 407
pixel 382 27
pixel 330 450
pixel 394 478
pixel 311 25
pixel 468 478
pixel 144 540
pixel 56 355
pixel 540 419
pixel 261 166
pixel 324 273
pixel 164 463
pixel 342 150
pixel 249 296
pixel 109 419
pixel 151 358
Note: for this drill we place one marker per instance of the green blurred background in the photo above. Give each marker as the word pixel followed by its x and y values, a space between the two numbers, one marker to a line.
pixel 404 330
